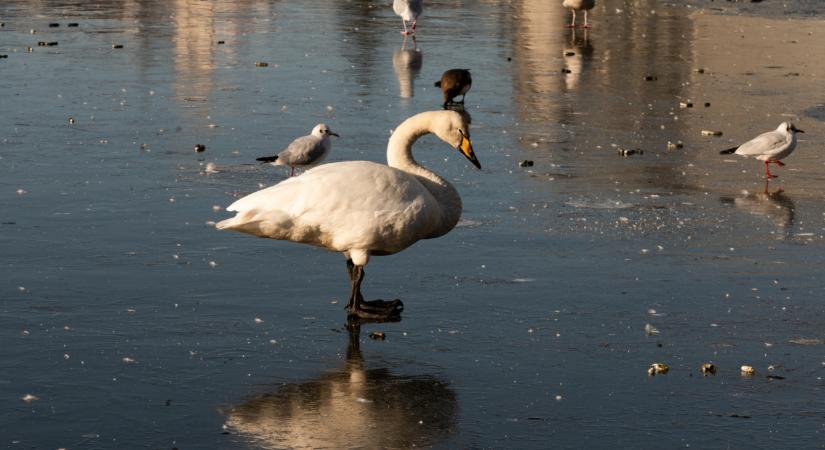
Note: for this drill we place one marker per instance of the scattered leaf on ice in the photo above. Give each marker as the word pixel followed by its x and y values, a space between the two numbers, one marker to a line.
pixel 804 341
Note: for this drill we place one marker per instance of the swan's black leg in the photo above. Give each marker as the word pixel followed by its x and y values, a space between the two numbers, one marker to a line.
pixel 377 310
pixel 355 290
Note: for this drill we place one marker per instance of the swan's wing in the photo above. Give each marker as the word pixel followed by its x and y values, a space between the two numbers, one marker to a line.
pixel 341 206
pixel 302 151
pixel 768 143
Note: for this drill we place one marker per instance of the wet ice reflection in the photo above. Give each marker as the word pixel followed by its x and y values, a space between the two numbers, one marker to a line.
pixel 105 203
pixel 407 63
pixel 353 407
pixel 577 56
pixel 772 204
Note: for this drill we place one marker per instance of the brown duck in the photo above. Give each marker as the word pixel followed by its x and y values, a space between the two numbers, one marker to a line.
pixel 453 83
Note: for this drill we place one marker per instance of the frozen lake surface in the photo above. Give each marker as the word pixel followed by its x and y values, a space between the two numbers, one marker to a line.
pixel 128 321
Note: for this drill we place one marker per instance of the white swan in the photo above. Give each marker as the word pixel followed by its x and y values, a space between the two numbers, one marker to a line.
pixel 409 10
pixel 771 147
pixel 362 208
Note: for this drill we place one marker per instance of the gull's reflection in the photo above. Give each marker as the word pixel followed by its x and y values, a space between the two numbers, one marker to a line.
pixel 776 206
pixel 351 407
pixel 577 54
pixel 407 64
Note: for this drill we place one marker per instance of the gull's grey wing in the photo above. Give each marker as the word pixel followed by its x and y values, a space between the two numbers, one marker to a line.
pixel 765 144
pixel 302 151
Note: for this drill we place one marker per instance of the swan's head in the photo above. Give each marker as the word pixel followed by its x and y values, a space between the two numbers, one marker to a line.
pixel 787 127
pixel 452 128
pixel 322 130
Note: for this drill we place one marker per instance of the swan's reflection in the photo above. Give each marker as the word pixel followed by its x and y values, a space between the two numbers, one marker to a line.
pixel 776 206
pixel 348 408
pixel 577 54
pixel 407 64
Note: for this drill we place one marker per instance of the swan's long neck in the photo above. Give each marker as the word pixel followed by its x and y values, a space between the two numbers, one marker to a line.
pixel 399 156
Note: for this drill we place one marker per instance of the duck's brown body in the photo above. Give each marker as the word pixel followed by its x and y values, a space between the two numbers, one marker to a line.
pixel 453 83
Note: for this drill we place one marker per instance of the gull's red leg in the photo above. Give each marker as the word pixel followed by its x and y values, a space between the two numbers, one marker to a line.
pixel 768 173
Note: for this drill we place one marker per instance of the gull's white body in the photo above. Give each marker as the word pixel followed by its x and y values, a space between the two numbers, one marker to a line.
pixel 579 5
pixel 771 146
pixel 408 10
pixel 360 208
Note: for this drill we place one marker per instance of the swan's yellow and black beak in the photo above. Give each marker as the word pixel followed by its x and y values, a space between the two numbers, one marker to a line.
pixel 466 149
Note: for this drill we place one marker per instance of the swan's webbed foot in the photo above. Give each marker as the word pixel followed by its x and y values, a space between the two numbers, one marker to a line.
pixel 377 310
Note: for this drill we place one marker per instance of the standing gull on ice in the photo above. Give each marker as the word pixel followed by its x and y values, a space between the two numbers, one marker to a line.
pixel 306 151
pixel 579 5
pixel 770 147
pixel 409 10
pixel 362 208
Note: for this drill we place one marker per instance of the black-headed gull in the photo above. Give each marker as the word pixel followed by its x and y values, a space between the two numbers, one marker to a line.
pixel 306 151
pixel 770 147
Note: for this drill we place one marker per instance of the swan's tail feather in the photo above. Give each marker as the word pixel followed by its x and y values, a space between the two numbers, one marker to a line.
pixel 226 223
pixel 728 151
pixel 275 225
pixel 259 228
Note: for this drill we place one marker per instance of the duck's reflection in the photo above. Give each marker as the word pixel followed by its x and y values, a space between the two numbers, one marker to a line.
pixel 407 65
pixel 577 55
pixel 351 407
pixel 774 205
pixel 459 108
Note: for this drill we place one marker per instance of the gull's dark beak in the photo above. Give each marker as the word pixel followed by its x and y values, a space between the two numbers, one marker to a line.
pixel 332 134
pixel 466 149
